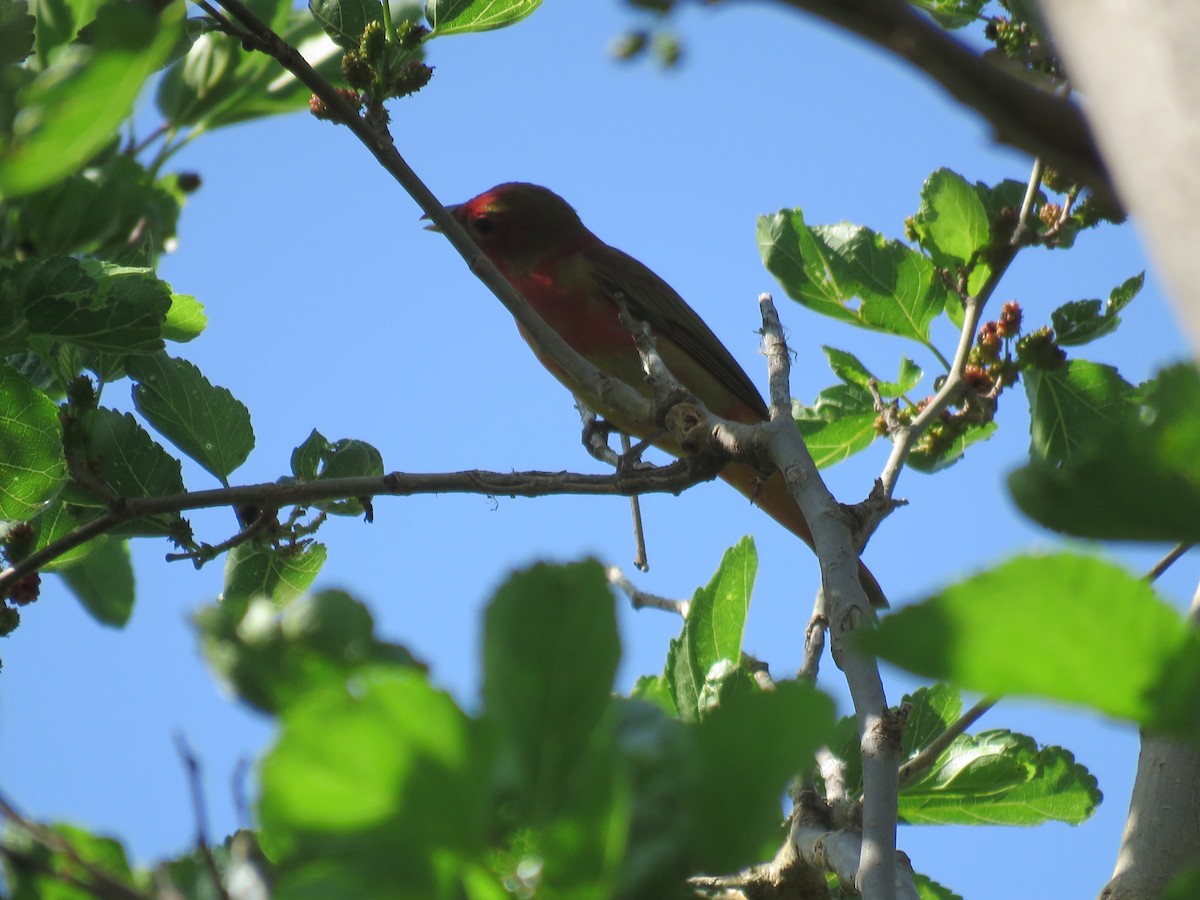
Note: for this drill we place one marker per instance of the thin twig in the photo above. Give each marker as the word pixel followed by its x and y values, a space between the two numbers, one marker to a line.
pixel 192 765
pixel 953 388
pixel 928 756
pixel 103 884
pixel 671 478
pixel 1167 561
pixel 620 397
pixel 640 599
pixel 814 639
pixel 208 552
pixel 878 728
pixel 1041 123
pixel 640 562
pixel 237 784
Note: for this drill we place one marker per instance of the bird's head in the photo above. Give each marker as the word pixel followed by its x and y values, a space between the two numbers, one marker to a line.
pixel 518 225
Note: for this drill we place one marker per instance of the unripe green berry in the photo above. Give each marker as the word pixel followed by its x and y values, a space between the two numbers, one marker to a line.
pixel 357 71
pixel 373 41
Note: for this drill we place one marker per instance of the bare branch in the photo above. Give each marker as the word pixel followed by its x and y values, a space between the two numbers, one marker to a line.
pixel 848 610
pixel 1023 115
pixel 99 882
pixel 639 599
pixel 196 788
pixel 955 386
pixel 620 397
pixel 1167 561
pixel 671 478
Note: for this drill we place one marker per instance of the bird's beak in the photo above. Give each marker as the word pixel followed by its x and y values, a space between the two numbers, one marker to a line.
pixel 431 226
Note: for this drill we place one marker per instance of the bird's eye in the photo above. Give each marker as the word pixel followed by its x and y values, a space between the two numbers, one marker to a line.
pixel 483 225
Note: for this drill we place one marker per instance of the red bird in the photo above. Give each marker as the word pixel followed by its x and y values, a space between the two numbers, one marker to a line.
pixel 570 277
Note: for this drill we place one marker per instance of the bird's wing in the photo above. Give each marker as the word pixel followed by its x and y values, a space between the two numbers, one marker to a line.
pixel 653 301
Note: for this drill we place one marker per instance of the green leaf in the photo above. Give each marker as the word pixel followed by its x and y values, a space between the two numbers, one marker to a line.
pixel 103 582
pixel 274 658
pixel 1103 639
pixel 131 464
pixel 550 653
pixel 185 319
pixel 58 22
pixel 319 458
pixel 952 225
pixel 93 305
pixel 344 20
pixel 277 573
pixel 847 367
pixel 58 520
pixel 49 876
pixel 840 423
pixel 930 460
pixel 850 370
pixel 16 32
pixel 712 631
pixel 462 16
pixel 114 210
pixel 1000 778
pixel 717 614
pixel 931 711
pixel 1135 477
pixel 928 889
pixel 368 786
pixel 952 14
pixel 32 467
pixel 306 459
pixel 1082 321
pixel 1185 884
pixel 196 90
pixel 747 750
pixel 826 267
pixel 207 423
pixel 655 690
pixel 657 752
pixel 72 109
pixel 1070 405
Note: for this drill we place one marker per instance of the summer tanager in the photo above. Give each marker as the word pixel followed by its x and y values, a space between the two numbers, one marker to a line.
pixel 570 277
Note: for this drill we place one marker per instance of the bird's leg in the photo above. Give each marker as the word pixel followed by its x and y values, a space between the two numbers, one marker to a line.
pixel 595 436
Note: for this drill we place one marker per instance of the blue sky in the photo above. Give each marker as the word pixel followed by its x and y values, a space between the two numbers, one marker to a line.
pixel 330 307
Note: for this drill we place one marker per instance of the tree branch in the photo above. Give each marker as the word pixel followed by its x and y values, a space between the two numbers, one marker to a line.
pixel 640 599
pixel 952 390
pixel 619 397
pixel 196 788
pixel 100 883
pixel 879 732
pixel 1023 115
pixel 1160 836
pixel 671 478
